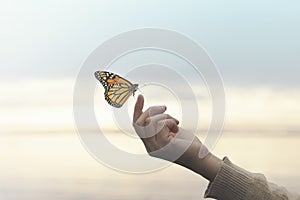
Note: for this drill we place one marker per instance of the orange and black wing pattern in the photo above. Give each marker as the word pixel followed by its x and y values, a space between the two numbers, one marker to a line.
pixel 117 89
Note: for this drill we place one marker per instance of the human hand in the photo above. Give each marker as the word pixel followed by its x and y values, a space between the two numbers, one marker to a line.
pixel 164 139
pixel 155 128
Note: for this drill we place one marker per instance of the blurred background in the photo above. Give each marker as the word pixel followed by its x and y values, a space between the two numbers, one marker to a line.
pixel 255 46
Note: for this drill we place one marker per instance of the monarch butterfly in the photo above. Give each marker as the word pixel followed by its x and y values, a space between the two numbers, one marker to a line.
pixel 117 89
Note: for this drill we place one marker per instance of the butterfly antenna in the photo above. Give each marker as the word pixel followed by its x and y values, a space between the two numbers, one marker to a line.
pixel 140 91
pixel 145 84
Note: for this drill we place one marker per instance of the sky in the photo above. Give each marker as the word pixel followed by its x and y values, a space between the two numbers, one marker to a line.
pixel 255 46
pixel 254 42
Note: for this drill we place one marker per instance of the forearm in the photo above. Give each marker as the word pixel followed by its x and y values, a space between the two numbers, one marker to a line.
pixel 207 167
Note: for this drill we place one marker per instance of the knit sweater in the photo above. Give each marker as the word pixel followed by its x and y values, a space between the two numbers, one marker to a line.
pixel 233 183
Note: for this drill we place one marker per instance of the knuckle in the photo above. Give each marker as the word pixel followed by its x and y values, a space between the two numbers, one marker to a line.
pixel 139 122
pixel 151 108
pixel 147 121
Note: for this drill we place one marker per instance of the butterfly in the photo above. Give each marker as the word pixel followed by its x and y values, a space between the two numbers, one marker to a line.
pixel 117 89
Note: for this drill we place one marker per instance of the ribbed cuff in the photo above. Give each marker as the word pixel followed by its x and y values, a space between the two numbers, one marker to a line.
pixel 231 182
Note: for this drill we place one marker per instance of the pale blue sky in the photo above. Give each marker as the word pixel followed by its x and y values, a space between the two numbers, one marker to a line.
pixel 44 43
pixel 251 42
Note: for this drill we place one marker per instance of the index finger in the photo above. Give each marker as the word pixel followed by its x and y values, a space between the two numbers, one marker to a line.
pixel 138 108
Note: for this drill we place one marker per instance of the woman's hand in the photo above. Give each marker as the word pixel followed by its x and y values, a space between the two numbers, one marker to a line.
pixel 155 128
pixel 164 139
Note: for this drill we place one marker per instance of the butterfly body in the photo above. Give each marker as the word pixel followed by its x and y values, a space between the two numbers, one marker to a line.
pixel 117 89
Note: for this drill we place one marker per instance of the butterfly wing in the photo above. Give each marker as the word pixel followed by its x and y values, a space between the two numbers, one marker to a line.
pixel 117 89
pixel 106 79
pixel 117 95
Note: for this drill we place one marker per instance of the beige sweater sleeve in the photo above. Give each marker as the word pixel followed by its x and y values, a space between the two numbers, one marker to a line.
pixel 233 182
